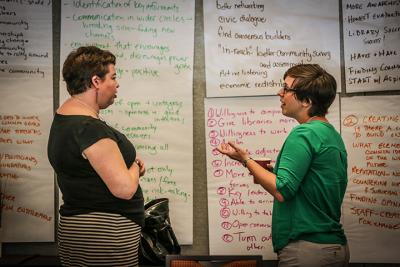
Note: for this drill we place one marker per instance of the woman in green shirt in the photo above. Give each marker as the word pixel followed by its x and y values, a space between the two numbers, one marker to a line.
pixel 310 176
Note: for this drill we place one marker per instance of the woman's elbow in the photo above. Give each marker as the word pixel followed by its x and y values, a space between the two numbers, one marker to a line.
pixel 125 193
pixel 124 196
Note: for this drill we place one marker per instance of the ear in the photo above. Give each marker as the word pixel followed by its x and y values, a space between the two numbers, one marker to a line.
pixel 306 103
pixel 96 81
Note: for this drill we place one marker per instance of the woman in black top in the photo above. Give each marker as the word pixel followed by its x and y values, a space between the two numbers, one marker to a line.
pixel 97 168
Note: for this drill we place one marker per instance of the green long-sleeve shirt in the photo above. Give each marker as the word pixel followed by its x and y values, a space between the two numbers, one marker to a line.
pixel 311 171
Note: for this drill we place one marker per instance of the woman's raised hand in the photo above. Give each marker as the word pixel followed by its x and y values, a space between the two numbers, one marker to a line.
pixel 233 151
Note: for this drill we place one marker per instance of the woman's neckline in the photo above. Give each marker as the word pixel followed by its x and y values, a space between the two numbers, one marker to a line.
pixel 86 106
pixel 77 115
pixel 317 118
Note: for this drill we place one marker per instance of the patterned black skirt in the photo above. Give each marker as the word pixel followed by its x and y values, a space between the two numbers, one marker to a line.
pixel 98 239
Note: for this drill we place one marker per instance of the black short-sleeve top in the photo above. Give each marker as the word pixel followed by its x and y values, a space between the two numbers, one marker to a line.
pixel 83 190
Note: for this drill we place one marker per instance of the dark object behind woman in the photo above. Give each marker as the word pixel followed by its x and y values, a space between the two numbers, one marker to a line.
pixel 97 168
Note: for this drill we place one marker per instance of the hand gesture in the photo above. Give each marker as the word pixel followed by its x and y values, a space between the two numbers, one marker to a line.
pixel 233 151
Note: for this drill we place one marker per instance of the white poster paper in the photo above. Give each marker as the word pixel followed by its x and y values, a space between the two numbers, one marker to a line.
pixel 240 211
pixel 371 208
pixel 26 111
pixel 250 44
pixel 371 45
pixel 154 104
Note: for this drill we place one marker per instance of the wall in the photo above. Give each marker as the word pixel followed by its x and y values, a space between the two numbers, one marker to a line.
pixel 200 235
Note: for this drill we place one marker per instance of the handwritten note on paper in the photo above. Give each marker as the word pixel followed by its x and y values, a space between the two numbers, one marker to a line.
pixel 371 131
pixel 250 44
pixel 154 104
pixel 27 180
pixel 153 119
pixel 240 211
pixel 371 45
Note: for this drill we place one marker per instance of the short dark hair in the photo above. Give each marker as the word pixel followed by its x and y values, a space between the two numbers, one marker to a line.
pixel 313 84
pixel 82 64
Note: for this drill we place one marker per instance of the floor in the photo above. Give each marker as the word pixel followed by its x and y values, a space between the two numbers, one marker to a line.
pixel 34 260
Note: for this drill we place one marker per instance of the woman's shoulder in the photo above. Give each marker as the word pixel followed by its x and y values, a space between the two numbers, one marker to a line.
pixel 76 118
pixel 78 122
pixel 311 130
pixel 317 132
pixel 314 126
pixel 70 108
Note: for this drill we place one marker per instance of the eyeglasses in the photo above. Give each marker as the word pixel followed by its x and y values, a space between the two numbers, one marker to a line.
pixel 285 89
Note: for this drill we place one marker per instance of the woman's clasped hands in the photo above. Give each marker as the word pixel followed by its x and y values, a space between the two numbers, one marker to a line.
pixel 142 168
